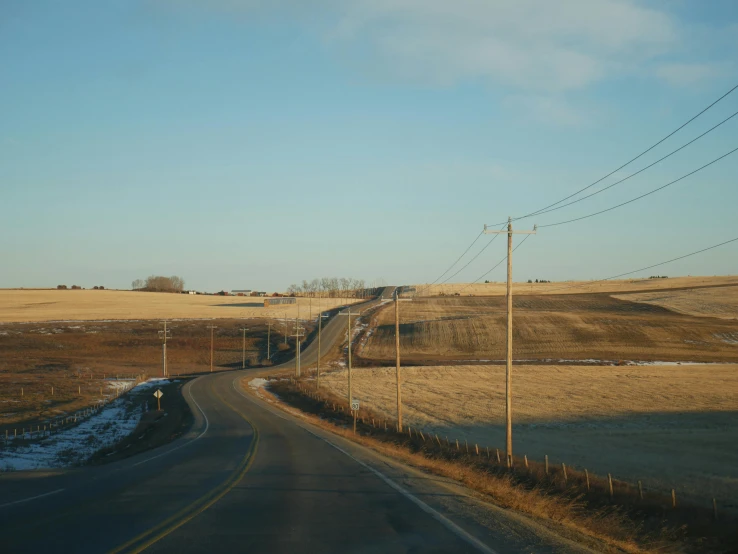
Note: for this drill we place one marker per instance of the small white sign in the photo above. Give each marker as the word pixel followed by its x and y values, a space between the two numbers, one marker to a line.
pixel 158 393
pixel 355 405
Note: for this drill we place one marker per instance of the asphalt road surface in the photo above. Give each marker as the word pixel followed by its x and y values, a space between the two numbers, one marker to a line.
pixel 249 477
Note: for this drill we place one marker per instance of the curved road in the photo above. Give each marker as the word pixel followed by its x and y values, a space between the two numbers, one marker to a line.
pixel 249 477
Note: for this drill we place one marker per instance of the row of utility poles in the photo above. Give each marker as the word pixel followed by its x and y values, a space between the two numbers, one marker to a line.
pixel 166 334
pixel 508 358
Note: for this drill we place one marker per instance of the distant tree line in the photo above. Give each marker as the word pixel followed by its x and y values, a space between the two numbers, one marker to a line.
pixel 158 283
pixel 331 287
pixel 538 281
pixel 658 277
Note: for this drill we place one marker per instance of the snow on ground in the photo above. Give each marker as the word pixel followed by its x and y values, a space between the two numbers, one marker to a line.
pixel 257 383
pixel 75 445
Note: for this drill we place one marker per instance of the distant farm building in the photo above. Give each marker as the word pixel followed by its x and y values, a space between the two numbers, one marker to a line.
pixel 241 292
pixel 278 301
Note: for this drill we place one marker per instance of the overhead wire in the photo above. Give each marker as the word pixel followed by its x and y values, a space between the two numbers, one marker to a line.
pixel 495 266
pixel 640 170
pixel 639 197
pixel 629 161
pixel 645 268
pixel 457 261
pixel 470 261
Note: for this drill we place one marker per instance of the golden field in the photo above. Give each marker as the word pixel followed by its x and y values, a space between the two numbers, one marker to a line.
pixel 719 302
pixel 499 288
pixel 668 425
pixel 87 305
pixel 549 328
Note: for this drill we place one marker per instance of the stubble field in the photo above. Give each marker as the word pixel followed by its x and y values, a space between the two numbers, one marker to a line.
pixel 498 288
pixel 672 426
pixel 85 305
pixel 721 302
pixel 590 328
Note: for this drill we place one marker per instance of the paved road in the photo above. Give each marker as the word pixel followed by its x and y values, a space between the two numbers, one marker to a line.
pixel 251 478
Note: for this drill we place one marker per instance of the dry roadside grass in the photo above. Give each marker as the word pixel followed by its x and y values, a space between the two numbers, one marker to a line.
pixel 84 305
pixel 670 426
pixel 547 327
pixel 571 287
pixel 710 302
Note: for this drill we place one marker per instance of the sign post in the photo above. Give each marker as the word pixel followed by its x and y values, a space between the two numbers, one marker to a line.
pixel 158 395
pixel 355 409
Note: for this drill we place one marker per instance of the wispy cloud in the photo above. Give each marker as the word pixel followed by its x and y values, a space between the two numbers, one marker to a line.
pixel 685 74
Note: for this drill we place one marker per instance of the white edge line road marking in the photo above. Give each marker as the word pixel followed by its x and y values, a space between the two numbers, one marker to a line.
pixel 32 498
pixel 443 520
pixel 207 426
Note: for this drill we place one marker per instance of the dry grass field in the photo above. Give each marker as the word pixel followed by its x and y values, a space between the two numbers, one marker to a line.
pixel 670 426
pixel 548 329
pixel 85 305
pixel 719 302
pixel 571 287
pixel 78 358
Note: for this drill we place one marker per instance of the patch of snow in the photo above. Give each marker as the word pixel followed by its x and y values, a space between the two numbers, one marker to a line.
pixel 257 383
pixel 75 445
pixel 728 338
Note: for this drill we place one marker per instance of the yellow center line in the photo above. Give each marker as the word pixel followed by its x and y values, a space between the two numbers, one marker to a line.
pixel 155 534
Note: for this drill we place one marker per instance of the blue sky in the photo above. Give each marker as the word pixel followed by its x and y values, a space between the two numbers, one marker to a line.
pixel 250 144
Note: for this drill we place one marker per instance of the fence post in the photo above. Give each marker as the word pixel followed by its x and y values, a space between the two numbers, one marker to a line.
pixel 673 498
pixel 714 509
pixel 476 447
pixel 497 451
pixel 563 469
pixel 640 490
pixel 525 459
pixel 546 457
pixel 609 482
pixel 586 476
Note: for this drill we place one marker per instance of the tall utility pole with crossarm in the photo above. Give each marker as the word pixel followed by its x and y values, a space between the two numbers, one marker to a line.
pixel 348 315
pixel 212 340
pixel 243 350
pixel 164 334
pixel 397 356
pixel 508 372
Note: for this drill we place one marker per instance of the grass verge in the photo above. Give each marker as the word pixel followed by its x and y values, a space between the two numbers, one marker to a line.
pixel 624 521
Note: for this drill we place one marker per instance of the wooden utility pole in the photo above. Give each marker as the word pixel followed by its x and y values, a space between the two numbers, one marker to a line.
pixel 243 357
pixel 164 335
pixel 348 314
pixel 320 330
pixel 397 357
pixel 297 336
pixel 508 371
pixel 269 339
pixel 212 340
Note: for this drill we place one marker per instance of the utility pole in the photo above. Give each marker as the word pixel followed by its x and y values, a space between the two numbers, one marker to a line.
pixel 285 327
pixel 297 336
pixel 269 338
pixel 508 371
pixel 397 356
pixel 320 329
pixel 164 335
pixel 211 327
pixel 243 362
pixel 349 314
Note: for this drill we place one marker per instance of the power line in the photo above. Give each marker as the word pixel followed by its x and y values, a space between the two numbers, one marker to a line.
pixel 496 265
pixel 470 261
pixel 457 260
pixel 642 195
pixel 645 268
pixel 628 162
pixel 639 171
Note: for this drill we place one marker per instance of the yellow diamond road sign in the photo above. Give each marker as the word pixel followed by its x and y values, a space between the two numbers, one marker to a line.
pixel 158 393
